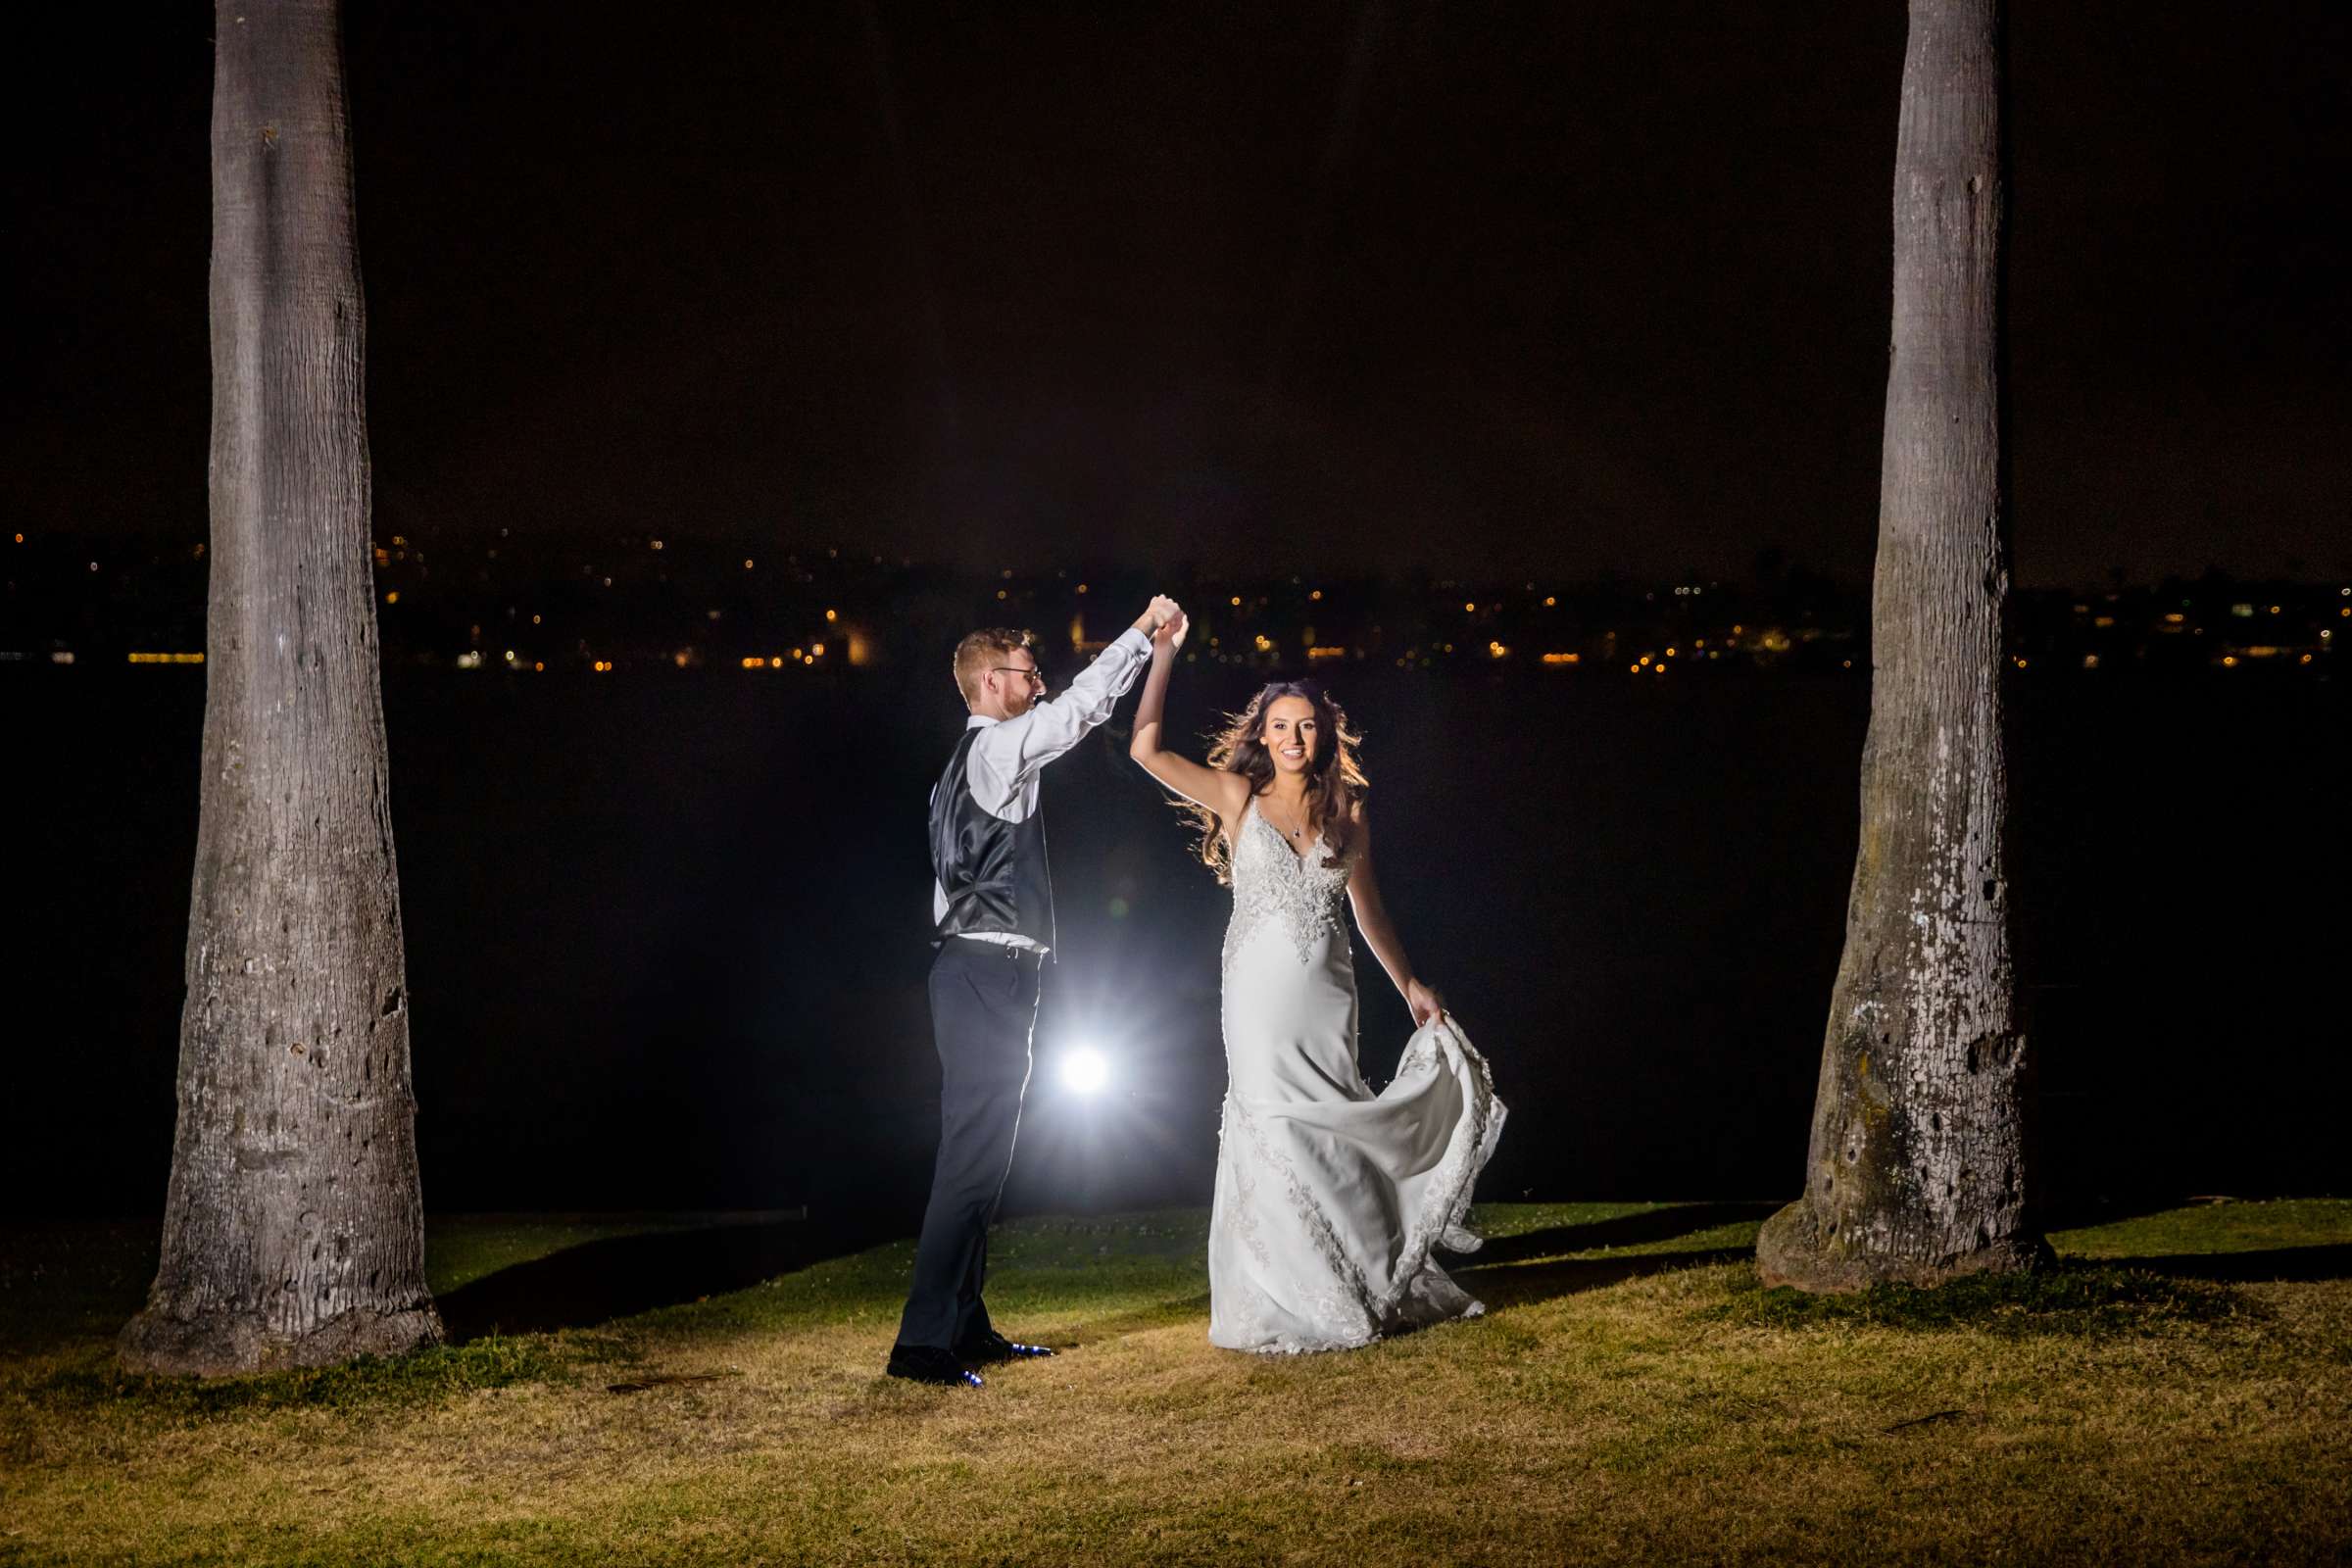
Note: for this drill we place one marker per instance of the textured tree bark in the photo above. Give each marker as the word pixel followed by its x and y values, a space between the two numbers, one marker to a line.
pixel 1919 1164
pixel 293 1232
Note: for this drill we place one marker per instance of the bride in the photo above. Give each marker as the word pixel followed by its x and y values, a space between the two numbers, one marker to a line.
pixel 1329 1197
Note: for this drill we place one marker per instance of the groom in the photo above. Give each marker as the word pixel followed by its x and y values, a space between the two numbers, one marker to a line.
pixel 993 910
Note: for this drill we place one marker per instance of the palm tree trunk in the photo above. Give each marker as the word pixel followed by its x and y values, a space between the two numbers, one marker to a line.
pixel 293 1232
pixel 1918 1168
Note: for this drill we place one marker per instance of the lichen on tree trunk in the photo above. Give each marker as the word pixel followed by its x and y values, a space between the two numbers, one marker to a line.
pixel 1919 1167
pixel 293 1231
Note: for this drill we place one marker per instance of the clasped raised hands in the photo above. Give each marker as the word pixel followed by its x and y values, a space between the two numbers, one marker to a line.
pixel 1159 612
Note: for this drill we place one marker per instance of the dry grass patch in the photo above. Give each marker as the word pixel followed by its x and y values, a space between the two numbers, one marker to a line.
pixel 1633 1396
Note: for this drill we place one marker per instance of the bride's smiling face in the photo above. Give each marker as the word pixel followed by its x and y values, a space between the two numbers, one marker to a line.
pixel 1290 735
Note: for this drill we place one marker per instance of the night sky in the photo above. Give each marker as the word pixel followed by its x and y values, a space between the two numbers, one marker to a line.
pixel 1554 287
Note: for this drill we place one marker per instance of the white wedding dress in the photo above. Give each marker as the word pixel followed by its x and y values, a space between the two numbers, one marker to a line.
pixel 1329 1197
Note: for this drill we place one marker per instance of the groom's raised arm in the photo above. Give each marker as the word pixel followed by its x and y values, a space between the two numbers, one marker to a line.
pixel 1009 754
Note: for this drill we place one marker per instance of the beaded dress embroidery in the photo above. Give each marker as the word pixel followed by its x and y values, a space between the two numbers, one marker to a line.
pixel 1271 883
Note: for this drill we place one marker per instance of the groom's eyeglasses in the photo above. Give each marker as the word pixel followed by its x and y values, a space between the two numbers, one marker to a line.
pixel 1033 676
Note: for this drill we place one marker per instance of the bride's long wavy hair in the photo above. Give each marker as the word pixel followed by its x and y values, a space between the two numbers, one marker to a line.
pixel 1334 786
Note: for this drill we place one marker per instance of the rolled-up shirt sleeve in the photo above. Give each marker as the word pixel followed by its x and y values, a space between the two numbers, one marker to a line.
pixel 1007 756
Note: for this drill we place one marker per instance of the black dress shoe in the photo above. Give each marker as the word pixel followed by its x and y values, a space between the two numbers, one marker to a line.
pixel 925 1363
pixel 994 1347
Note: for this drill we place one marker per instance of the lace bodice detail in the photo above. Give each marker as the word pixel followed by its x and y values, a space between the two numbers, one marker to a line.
pixel 1298 892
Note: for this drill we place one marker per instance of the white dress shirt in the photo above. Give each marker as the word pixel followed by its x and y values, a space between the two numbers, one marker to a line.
pixel 1005 762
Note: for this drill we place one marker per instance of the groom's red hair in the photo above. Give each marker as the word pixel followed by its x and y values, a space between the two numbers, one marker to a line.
pixel 979 652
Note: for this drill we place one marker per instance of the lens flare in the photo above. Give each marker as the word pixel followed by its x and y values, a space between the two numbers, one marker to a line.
pixel 1084 1071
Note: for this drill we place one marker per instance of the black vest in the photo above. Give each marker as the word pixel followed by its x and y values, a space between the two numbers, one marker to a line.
pixel 993 871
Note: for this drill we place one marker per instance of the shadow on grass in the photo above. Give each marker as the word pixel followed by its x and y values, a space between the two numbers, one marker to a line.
pixel 1625 1230
pixel 2299 1263
pixel 2091 1299
pixel 621 1276
pixel 1525 1284
pixel 370 1382
pixel 1139 1320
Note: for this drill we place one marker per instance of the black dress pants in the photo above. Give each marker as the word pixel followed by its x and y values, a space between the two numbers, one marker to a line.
pixel 983 1006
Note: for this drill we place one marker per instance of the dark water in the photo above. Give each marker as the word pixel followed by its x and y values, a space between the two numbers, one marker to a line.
pixel 667 934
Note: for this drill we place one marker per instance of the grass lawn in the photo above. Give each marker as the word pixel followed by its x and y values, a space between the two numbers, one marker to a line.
pixel 705 1389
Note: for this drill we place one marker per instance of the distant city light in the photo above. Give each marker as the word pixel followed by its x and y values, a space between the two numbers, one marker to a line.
pixel 832 615
pixel 1316 595
pixel 1550 600
pixel 746 564
pixel 156 659
pixel 817 650
pixel 1084 1071
pixel 392 598
pixel 1561 659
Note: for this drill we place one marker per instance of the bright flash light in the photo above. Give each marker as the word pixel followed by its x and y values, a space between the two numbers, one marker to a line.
pixel 1084 1071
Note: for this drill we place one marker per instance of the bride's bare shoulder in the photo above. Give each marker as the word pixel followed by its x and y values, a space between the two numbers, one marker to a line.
pixel 1232 806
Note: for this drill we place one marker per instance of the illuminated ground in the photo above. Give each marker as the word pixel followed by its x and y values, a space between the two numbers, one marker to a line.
pixel 1632 1397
